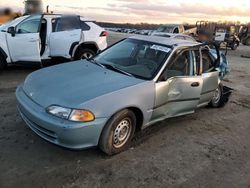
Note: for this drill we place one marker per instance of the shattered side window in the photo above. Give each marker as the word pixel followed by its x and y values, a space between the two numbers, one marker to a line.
pixel 207 62
pixel 180 65
pixel 197 60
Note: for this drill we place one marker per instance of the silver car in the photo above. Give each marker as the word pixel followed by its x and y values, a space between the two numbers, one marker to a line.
pixel 135 83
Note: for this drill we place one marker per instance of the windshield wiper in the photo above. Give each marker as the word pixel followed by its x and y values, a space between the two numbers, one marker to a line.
pixel 95 62
pixel 112 67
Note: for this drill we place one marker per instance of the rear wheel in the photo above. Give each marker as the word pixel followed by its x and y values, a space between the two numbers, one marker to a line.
pixel 84 53
pixel 234 46
pixel 118 132
pixel 2 63
pixel 248 42
pixel 217 100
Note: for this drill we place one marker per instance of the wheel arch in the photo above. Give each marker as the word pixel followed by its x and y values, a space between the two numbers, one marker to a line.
pixel 139 117
pixel 3 54
pixel 138 113
pixel 89 45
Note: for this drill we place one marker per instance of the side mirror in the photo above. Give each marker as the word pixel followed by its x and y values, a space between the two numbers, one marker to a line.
pixel 12 31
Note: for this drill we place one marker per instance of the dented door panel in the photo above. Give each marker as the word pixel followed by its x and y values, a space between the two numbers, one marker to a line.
pixel 177 96
pixel 210 84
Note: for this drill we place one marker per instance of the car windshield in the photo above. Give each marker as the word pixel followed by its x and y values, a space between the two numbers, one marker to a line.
pixel 134 57
pixel 165 29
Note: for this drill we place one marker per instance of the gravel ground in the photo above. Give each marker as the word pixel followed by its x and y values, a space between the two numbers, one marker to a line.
pixel 207 149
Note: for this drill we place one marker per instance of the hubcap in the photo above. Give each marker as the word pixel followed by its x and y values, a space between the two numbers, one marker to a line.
pixel 122 133
pixel 86 55
pixel 217 95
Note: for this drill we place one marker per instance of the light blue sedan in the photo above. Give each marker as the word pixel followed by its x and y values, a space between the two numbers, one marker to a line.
pixel 129 86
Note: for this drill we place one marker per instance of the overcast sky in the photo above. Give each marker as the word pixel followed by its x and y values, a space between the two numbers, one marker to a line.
pixel 157 11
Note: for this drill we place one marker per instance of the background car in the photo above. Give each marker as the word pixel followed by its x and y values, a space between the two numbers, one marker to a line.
pixel 175 36
pixel 39 38
pixel 176 29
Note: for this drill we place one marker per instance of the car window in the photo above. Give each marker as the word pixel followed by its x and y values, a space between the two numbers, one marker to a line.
pixel 181 64
pixel 30 25
pixel 176 30
pixel 66 23
pixel 197 60
pixel 207 62
pixel 140 58
pixel 13 23
pixel 84 26
pixel 123 50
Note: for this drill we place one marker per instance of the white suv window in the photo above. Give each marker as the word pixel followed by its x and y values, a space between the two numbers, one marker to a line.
pixel 30 25
pixel 66 23
pixel 85 26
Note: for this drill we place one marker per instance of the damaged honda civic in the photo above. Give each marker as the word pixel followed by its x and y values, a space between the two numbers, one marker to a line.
pixel 135 83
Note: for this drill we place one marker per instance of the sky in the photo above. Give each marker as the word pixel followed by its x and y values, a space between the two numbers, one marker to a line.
pixel 150 11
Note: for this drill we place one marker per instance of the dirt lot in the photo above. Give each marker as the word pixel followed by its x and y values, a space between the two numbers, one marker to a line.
pixel 210 148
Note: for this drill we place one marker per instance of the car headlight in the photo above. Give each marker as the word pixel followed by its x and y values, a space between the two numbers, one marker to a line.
pixel 71 114
pixel 59 111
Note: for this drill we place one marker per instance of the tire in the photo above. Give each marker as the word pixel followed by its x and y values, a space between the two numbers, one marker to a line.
pixel 118 132
pixel 2 63
pixel 248 42
pixel 84 53
pixel 218 100
pixel 234 46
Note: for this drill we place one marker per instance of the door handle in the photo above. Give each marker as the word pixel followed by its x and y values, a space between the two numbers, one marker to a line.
pixel 195 84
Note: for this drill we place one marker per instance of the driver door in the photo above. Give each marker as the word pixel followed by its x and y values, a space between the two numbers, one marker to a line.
pixel 179 89
pixel 25 45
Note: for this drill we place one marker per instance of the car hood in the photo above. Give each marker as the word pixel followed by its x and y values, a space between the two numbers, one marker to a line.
pixel 74 83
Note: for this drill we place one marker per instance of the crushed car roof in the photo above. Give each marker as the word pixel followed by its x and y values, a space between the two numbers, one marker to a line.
pixel 166 41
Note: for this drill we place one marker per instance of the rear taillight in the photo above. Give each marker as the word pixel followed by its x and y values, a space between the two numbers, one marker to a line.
pixel 104 34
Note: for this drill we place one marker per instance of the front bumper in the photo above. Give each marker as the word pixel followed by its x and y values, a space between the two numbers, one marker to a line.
pixel 72 135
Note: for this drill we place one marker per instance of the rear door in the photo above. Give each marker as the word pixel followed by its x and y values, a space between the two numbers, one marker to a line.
pixel 66 32
pixel 178 91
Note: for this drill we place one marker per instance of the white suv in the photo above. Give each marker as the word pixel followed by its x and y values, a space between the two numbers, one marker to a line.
pixel 40 38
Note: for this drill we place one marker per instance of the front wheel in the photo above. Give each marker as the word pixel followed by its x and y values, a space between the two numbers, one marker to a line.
pixel 118 132
pixel 84 53
pixel 217 100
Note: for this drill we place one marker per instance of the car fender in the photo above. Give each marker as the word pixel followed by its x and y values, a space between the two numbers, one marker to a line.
pixel 140 96
pixel 4 47
pixel 76 46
